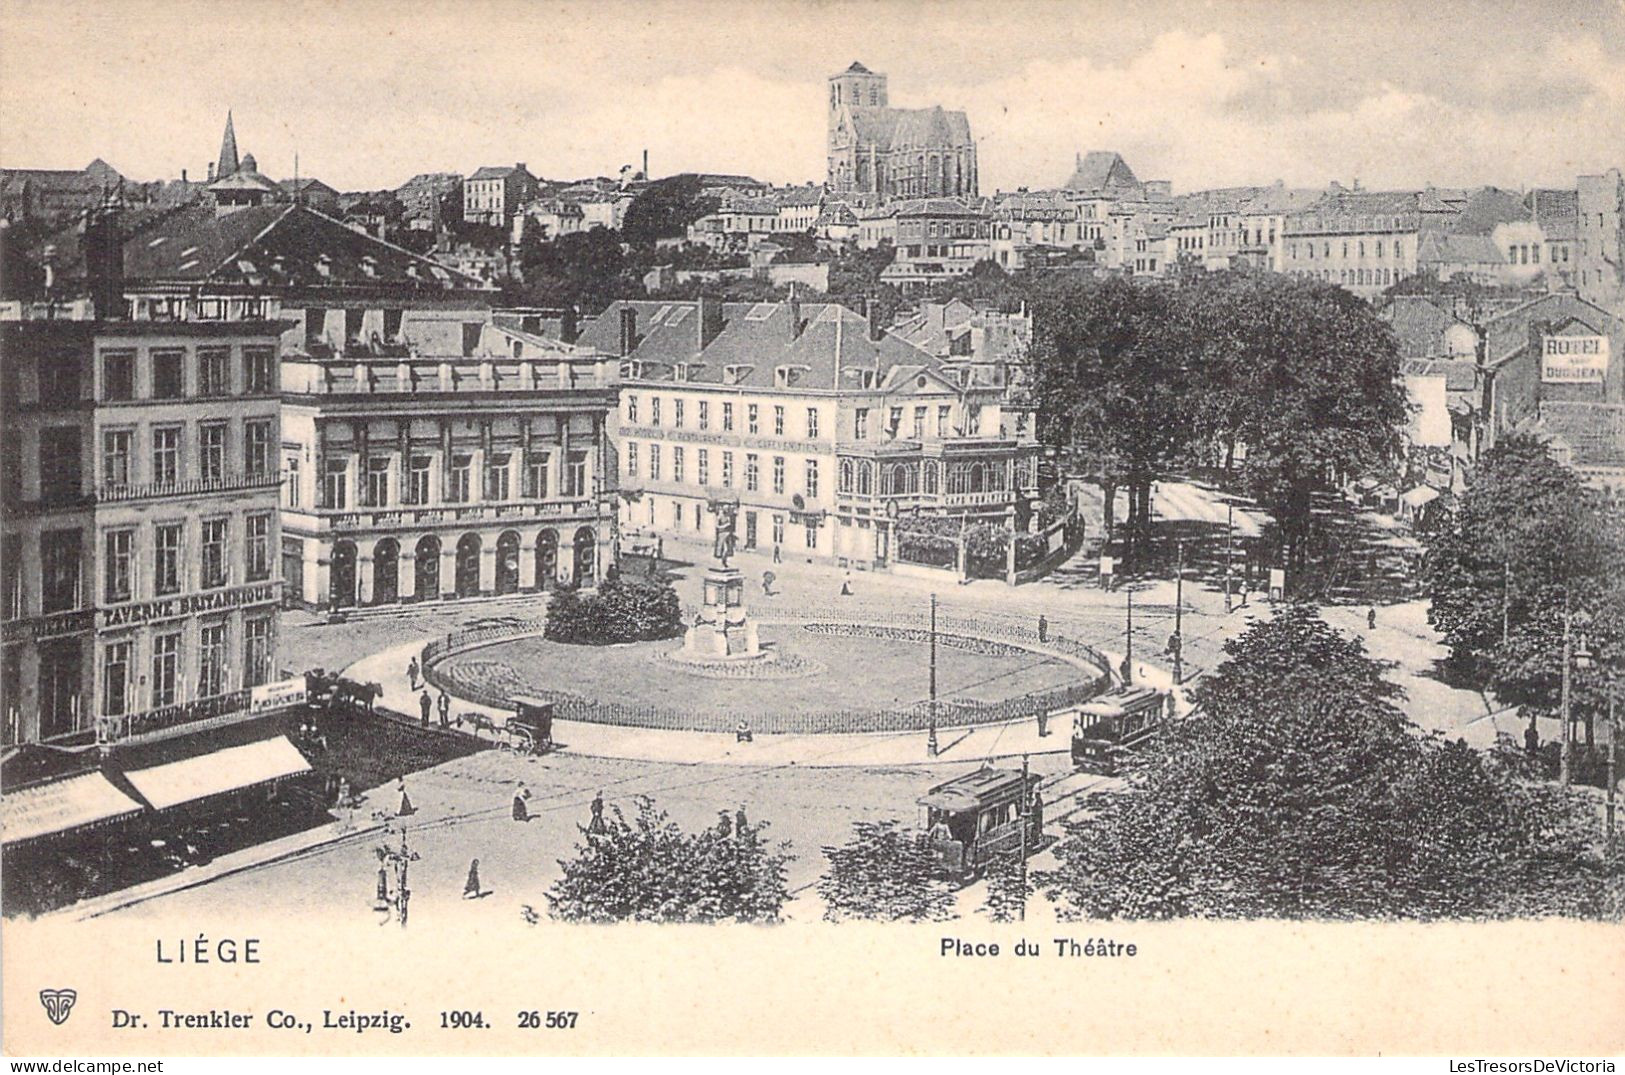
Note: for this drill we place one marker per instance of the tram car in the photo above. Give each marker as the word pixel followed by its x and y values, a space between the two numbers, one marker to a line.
pixel 530 729
pixel 1108 729
pixel 973 819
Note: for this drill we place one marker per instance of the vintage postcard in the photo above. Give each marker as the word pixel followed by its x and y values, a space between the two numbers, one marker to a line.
pixel 819 527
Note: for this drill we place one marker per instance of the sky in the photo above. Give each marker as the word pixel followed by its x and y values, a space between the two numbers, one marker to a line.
pixel 367 93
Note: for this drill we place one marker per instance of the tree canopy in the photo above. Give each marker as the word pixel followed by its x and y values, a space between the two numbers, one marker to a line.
pixel 1297 789
pixel 649 870
pixel 1524 539
pixel 884 873
pixel 664 209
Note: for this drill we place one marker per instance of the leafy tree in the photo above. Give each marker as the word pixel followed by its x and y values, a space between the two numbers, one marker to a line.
pixel 1297 789
pixel 650 870
pixel 1114 386
pixel 585 268
pixel 1303 373
pixel 1006 899
pixel 884 873
pixel 624 609
pixel 1526 538
pixel 664 209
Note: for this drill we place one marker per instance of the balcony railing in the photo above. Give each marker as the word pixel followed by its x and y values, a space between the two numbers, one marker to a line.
pixel 225 483
pixel 342 519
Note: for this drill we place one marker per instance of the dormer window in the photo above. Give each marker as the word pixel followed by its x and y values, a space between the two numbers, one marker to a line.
pixel 369 266
pixel 737 373
pixel 324 267
pixel 788 376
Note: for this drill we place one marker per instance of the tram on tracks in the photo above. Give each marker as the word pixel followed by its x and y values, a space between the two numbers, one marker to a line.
pixel 973 819
pixel 1108 729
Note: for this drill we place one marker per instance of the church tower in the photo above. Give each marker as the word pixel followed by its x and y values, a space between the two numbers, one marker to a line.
pixel 856 87
pixel 228 152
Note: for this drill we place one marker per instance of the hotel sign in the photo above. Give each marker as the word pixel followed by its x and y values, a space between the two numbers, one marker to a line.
pixel 1573 359
pixel 189 604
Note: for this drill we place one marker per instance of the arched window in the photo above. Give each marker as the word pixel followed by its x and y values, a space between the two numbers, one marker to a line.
pixel 931 475
pixel 846 475
pixel 866 478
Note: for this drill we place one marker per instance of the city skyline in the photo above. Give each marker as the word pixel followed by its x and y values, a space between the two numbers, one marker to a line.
pixel 1268 90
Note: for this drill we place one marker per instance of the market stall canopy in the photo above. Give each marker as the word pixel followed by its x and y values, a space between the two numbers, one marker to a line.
pixel 222 771
pixel 60 806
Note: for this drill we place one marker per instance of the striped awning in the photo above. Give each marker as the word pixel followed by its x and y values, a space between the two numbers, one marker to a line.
pixel 219 772
pixel 61 806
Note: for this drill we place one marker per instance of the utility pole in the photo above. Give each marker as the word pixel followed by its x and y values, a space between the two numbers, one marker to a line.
pixel 1179 609
pixel 1128 645
pixel 1613 767
pixel 1566 758
pixel 1229 528
pixel 1506 597
pixel 931 734
pixel 1026 812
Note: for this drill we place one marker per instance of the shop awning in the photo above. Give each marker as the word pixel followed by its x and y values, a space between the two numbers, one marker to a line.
pixel 1419 496
pixel 63 805
pixel 217 773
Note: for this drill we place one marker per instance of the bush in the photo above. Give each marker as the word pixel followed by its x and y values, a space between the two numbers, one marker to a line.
pixel 884 873
pixel 623 610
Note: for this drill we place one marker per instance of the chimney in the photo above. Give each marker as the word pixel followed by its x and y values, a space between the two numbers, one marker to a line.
pixel 710 316
pixel 795 312
pixel 569 331
pixel 211 171
pixel 646 164
pixel 183 175
pixel 871 313
pixel 104 264
pixel 629 330
pixel 519 166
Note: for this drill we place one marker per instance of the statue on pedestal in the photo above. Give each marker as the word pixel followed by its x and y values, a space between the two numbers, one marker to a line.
pixel 726 514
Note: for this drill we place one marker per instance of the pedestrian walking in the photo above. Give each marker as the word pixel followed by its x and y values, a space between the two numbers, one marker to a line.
pixel 521 799
pixel 777 558
pixel 846 585
pixel 1037 812
pixel 767 584
pixel 739 821
pixel 1043 628
pixel 596 826
pixel 425 704
pixel 407 809
pixel 445 708
pixel 1531 739
pixel 1371 619
pixel 660 550
pixel 471 887
pixel 1043 722
pixel 742 733
pixel 412 673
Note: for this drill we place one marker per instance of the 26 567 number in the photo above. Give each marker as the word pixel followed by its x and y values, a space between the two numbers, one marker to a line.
pixel 537 1020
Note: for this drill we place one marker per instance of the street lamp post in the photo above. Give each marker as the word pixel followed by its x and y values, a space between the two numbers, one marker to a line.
pixel 1229 527
pixel 396 861
pixel 1179 608
pixel 1128 644
pixel 1565 768
pixel 931 733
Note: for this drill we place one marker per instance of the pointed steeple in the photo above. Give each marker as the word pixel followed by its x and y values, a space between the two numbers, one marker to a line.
pixel 228 151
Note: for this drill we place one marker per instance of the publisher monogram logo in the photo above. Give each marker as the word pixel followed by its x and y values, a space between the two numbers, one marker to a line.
pixel 58 1003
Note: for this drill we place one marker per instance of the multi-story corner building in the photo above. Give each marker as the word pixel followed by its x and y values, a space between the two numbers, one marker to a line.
pixel 400 395
pixel 1601 237
pixel 1363 240
pixel 937 238
pixel 141 527
pixel 443 473
pixel 817 427
pixel 894 152
pixel 495 193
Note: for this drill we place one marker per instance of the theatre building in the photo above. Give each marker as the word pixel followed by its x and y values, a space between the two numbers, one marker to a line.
pixel 446 473
pixel 138 551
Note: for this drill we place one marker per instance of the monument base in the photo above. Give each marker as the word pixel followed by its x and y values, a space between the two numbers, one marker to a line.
pixel 724 631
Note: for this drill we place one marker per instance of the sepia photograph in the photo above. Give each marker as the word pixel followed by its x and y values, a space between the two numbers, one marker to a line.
pixel 820 527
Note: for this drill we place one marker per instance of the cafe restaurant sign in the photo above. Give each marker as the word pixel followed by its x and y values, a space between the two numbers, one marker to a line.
pixel 189 605
pixel 1573 359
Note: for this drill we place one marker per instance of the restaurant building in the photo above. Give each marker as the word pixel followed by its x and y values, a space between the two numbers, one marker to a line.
pixel 138 553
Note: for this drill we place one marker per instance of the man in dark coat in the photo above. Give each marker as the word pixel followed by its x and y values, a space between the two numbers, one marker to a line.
pixel 425 704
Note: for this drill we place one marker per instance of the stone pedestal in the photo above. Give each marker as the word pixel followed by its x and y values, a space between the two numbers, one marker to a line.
pixel 725 631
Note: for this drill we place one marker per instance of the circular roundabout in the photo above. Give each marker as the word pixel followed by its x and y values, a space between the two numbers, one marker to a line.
pixel 817 674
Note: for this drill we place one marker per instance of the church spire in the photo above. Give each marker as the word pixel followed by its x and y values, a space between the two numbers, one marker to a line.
pixel 228 151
